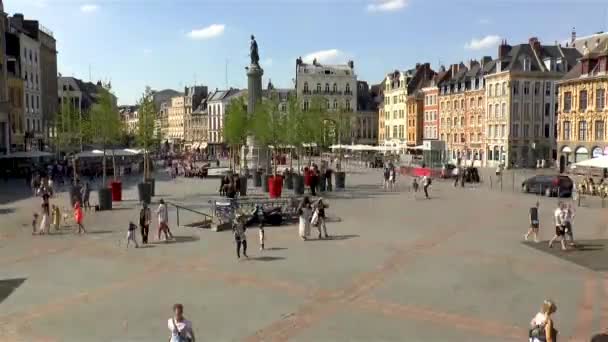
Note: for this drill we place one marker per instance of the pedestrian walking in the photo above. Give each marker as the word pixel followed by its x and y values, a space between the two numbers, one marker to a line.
pixel 34 222
pixel 180 327
pixel 392 178
pixel 426 182
pixel 86 194
pixel 534 223
pixel 131 235
pixel 559 217
pixel 543 328
pixel 262 237
pixel 45 222
pixel 163 220
pixel 304 213
pixel 415 184
pixel 78 217
pixel 145 217
pixel 56 214
pixel 455 175
pixel 240 237
pixel 318 218
pixel 568 219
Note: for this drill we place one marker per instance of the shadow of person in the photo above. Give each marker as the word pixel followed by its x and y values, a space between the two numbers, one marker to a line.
pixel 602 337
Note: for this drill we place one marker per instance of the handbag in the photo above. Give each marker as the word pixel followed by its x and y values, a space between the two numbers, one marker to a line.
pixel 315 218
pixel 180 335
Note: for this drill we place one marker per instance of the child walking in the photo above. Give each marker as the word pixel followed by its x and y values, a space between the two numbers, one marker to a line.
pixel 131 235
pixel 78 217
pixel 534 223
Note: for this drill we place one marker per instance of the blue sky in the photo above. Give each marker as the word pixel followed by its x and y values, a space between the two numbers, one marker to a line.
pixel 172 43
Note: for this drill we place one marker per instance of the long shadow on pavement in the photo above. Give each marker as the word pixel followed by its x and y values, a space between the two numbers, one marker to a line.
pixel 266 258
pixel 591 254
pixel 179 239
pixel 8 286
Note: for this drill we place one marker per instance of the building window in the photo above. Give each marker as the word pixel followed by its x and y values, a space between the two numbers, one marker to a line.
pixel 504 88
pixel 582 130
pixel 455 104
pixel 547 109
pixel 548 89
pixel 335 88
pixel 490 90
pixel 536 88
pixel 600 99
pixel 395 132
pixel 462 104
pixel 527 111
pixel 503 128
pixel 526 88
pixel 335 104
pixel 515 87
pixel 567 101
pixel 582 104
pixel 327 87
pixel 347 89
pixel 496 110
pixel 318 87
pixel 526 130
pixel 462 121
pixel 305 88
pixel 305 105
pixel 599 130
pixel 515 131
pixel 347 104
pixel 515 111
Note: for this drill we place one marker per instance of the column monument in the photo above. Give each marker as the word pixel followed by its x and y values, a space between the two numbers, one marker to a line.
pixel 254 155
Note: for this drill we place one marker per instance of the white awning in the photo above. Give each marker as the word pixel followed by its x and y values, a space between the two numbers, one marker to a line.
pixel 599 162
pixel 566 149
pixel 581 150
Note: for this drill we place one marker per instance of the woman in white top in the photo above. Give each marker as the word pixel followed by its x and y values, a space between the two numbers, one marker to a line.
pixel 305 213
pixel 542 324
pixel 180 327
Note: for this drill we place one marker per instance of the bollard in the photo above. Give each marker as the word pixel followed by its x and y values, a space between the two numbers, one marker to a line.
pixel 177 216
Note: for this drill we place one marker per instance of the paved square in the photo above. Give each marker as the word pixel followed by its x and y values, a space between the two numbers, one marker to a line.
pixel 400 268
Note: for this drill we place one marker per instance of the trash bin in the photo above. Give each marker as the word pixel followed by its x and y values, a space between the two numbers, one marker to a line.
pixel 275 186
pixel 340 180
pixel 144 190
pixel 116 191
pixel 289 180
pixel 105 198
pixel 152 183
pixel 298 184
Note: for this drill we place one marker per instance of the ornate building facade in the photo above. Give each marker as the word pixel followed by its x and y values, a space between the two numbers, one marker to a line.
pixel 583 107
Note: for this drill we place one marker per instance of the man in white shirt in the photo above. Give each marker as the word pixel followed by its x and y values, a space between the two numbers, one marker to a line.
pixel 559 217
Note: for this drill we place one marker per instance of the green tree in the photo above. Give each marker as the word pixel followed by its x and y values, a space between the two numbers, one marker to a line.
pixel 269 126
pixel 338 126
pixel 104 126
pixel 237 126
pixel 145 128
pixel 67 132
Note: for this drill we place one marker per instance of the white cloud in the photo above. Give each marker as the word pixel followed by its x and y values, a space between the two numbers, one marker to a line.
pixel 89 8
pixel 325 56
pixel 208 32
pixel 483 43
pixel 386 5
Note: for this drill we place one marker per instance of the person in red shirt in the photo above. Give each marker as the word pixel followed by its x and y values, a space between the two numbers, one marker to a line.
pixel 78 217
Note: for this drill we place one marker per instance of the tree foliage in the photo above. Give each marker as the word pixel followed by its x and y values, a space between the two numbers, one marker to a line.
pixel 146 115
pixel 236 126
pixel 67 129
pixel 269 125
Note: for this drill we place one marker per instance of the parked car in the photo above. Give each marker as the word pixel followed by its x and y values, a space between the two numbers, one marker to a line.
pixel 548 185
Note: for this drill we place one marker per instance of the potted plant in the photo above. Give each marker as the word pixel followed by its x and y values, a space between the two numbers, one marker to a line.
pixel 146 140
pixel 104 129
pixel 236 129
pixel 269 130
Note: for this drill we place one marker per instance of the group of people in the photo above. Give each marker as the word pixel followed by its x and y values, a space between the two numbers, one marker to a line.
pixel 319 178
pixel 230 185
pixel 312 214
pixel 389 177
pixel 145 219
pixel 426 183
pixel 563 218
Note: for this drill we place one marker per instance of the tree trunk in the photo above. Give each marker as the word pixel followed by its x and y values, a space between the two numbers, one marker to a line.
pixel 103 178
pixel 74 169
pixel 114 165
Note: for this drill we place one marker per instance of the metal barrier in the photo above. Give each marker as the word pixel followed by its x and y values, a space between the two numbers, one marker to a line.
pixel 208 219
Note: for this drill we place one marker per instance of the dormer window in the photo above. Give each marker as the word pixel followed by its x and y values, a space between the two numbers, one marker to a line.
pixel 526 64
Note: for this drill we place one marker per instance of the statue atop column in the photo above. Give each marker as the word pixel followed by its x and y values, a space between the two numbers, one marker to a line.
pixel 253 52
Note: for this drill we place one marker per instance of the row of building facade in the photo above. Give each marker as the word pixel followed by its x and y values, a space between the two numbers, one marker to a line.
pixel 532 102
pixel 28 83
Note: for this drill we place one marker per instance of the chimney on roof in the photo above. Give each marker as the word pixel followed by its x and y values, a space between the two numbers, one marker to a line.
pixel 454 69
pixel 535 45
pixel 503 49
pixel 485 60
pixel 573 35
pixel 417 65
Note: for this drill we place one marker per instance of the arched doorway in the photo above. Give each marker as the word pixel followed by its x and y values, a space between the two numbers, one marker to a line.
pixel 562 163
